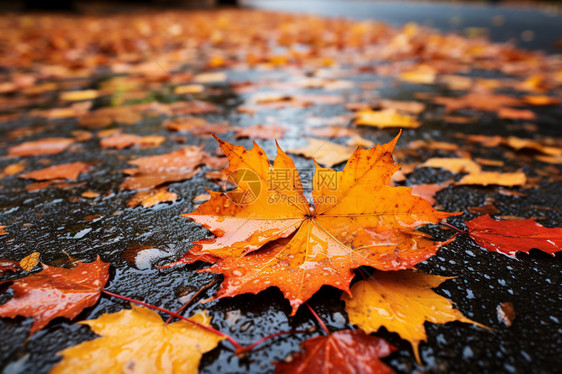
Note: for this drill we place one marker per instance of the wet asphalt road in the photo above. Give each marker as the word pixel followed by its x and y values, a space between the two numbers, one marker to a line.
pixel 48 222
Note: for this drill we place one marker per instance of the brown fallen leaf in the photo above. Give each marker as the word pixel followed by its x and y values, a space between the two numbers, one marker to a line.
pixel 506 313
pixel 170 167
pixel 509 113
pixel 324 152
pixel 65 171
pixel 3 231
pixel 412 107
pixel 201 198
pixel 358 141
pixel 14 168
pixel 260 132
pixel 331 131
pixel 46 146
pixel 455 165
pixel 385 118
pixel 121 141
pixel 478 100
pixel 151 197
pixel 90 194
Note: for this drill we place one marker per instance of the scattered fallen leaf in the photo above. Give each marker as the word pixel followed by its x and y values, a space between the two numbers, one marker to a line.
pixel 512 236
pixel 400 301
pixel 260 132
pixel 331 131
pixel 506 313
pixel 541 100
pixel 14 169
pixel 56 292
pixel 455 165
pixel 65 171
pixel 385 118
pixel 324 152
pixel 121 141
pixel 79 95
pixel 487 178
pixel 509 113
pixel 3 231
pixel 29 262
pixel 151 197
pixel 46 146
pixel 201 198
pixel 346 351
pixel 90 194
pixel 138 340
pixel 519 143
pixel 170 167
pixel 478 100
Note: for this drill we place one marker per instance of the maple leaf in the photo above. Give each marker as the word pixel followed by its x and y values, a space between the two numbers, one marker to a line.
pixel 401 301
pixel 512 236
pixel 56 292
pixel 277 238
pixel 137 340
pixel 346 351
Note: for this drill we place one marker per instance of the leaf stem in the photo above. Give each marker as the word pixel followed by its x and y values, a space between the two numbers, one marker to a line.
pixel 454 227
pixel 322 324
pixel 271 336
pixel 236 345
pixel 195 295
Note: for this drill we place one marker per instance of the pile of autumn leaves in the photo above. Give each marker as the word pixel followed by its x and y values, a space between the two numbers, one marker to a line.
pixel 295 246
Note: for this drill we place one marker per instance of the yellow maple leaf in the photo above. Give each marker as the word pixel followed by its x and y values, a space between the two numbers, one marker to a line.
pixel 401 301
pixel 138 341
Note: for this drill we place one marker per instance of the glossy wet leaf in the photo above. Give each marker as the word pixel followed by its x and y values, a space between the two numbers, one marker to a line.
pixel 346 351
pixel 400 301
pixel 56 292
pixel 512 236
pixel 269 235
pixel 137 340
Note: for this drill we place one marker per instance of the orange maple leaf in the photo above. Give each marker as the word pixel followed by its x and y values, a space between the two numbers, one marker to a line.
pixel 56 292
pixel 268 234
